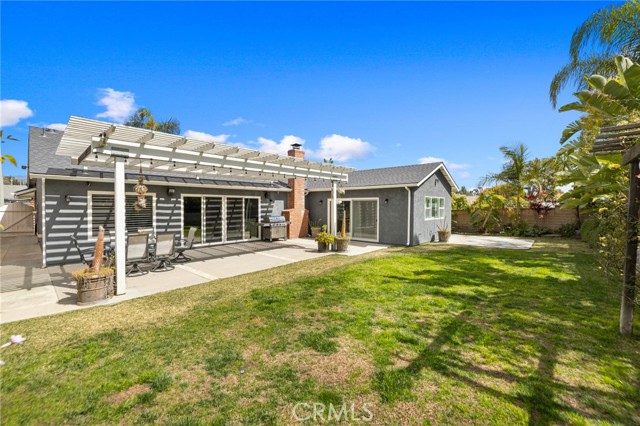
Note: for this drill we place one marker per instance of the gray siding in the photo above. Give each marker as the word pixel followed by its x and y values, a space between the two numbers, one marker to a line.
pixel 423 230
pixel 392 227
pixel 65 219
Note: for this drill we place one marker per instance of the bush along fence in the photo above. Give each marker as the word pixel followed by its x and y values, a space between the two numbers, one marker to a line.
pixel 557 220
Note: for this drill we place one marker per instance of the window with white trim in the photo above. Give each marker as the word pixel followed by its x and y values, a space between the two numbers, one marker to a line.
pixel 102 212
pixel 434 208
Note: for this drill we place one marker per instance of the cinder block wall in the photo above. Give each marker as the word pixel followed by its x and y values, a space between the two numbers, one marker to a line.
pixel 552 220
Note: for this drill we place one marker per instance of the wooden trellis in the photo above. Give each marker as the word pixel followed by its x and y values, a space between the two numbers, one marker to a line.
pixel 624 139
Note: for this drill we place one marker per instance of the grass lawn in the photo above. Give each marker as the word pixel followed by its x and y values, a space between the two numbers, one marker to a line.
pixel 426 335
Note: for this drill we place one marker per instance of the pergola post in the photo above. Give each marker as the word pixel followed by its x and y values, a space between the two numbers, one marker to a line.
pixel 334 207
pixel 119 203
pixel 631 254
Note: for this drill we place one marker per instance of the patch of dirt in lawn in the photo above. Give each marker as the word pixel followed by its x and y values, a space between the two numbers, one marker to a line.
pixel 258 321
pixel 348 365
pixel 122 396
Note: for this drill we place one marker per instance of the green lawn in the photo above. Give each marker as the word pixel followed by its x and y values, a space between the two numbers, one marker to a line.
pixel 426 335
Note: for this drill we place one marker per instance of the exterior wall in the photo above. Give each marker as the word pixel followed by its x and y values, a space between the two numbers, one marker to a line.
pixel 66 219
pixel 423 230
pixel 392 226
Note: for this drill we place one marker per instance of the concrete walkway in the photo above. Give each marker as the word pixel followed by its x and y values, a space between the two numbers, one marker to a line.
pixel 491 242
pixel 28 291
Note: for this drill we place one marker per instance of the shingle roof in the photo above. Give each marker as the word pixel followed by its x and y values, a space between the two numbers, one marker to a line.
pixel 43 144
pixel 43 159
pixel 388 176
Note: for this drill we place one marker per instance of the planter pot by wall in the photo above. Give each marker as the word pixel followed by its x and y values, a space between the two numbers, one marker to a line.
pixel 95 288
pixel 342 245
pixel 315 232
pixel 323 248
pixel 443 236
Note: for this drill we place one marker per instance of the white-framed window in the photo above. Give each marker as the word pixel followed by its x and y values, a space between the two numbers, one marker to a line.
pixel 101 211
pixel 434 208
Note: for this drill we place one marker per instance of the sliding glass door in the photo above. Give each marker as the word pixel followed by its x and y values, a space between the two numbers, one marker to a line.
pixel 234 219
pixel 192 216
pixel 213 220
pixel 364 219
pixel 251 218
pixel 361 218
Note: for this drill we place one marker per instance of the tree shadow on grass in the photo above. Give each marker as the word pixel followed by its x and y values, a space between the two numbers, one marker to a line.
pixel 542 311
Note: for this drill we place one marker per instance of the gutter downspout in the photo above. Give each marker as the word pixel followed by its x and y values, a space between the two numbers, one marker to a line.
pixel 43 222
pixel 408 215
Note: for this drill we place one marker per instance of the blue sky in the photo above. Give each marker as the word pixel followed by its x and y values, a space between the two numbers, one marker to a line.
pixel 370 84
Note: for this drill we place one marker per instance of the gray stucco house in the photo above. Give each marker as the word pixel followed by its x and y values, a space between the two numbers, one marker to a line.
pixel 395 205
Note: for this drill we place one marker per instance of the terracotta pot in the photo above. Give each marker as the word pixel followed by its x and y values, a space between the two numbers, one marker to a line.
pixel 443 236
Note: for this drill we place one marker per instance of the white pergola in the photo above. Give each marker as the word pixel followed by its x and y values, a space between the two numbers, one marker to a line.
pixel 102 144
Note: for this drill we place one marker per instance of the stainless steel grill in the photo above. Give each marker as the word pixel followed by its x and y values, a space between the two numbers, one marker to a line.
pixel 274 227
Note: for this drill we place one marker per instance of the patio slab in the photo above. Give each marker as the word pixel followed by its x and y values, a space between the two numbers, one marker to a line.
pixel 30 291
pixel 491 242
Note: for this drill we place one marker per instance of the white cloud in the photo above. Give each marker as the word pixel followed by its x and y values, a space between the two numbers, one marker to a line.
pixel 269 145
pixel 120 105
pixel 450 165
pixel 342 148
pixel 12 111
pixel 56 126
pixel 206 137
pixel 236 122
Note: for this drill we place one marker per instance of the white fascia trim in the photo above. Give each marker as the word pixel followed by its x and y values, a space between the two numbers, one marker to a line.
pixel 447 175
pixel 152 183
pixel 360 188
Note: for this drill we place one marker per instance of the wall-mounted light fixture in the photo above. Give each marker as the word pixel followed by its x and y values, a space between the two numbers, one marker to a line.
pixel 436 180
pixel 266 194
pixel 67 198
pixel 386 201
pixel 321 201
pixel 171 192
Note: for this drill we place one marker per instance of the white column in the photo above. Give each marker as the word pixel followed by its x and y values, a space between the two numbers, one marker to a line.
pixel 121 250
pixel 334 207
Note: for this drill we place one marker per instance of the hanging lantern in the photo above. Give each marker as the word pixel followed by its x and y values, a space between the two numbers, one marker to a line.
pixel 141 190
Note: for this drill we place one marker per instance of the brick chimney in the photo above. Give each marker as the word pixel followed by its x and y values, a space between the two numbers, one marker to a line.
pixel 296 212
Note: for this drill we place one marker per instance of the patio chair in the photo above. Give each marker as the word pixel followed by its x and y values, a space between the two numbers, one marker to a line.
pixel 165 249
pixel 186 244
pixel 86 255
pixel 137 253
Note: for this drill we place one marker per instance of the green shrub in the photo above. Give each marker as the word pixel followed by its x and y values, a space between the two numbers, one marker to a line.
pixel 568 230
pixel 590 232
pixel 523 229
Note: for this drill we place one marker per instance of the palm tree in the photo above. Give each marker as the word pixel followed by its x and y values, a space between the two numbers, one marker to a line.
pixel 612 31
pixel 513 171
pixel 143 118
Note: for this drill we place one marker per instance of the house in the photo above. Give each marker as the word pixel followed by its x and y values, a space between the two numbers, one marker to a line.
pixel 222 190
pixel 75 200
pixel 395 205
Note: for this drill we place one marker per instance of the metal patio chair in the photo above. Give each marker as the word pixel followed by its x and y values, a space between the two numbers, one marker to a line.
pixel 165 250
pixel 86 255
pixel 186 244
pixel 137 253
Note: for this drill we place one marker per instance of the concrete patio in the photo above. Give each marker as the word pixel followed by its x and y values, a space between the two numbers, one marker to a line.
pixel 29 291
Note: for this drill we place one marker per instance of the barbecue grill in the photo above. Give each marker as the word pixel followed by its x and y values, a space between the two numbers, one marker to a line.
pixel 274 227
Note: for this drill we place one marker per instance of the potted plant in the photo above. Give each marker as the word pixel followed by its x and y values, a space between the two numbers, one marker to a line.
pixel 324 240
pixel 96 282
pixel 342 242
pixel 444 233
pixel 316 227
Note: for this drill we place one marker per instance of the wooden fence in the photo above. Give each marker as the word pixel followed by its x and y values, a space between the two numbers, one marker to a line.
pixel 553 220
